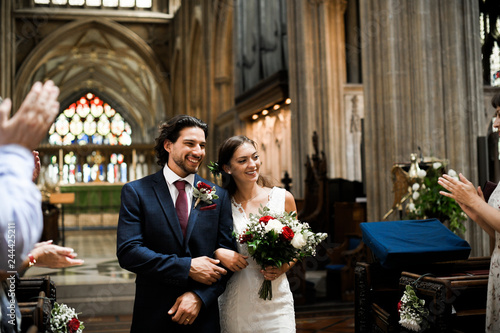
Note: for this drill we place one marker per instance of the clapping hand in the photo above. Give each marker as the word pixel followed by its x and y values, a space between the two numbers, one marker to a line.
pixel 31 122
pixel 49 255
pixel 462 190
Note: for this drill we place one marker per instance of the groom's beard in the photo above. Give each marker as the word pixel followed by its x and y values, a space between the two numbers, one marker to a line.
pixel 185 165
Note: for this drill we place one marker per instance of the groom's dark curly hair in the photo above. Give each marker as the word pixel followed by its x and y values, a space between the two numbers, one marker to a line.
pixel 171 129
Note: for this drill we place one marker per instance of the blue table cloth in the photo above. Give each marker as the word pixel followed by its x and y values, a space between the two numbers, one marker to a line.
pixel 413 242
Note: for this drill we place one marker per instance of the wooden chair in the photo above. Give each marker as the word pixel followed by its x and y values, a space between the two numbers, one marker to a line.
pixel 340 271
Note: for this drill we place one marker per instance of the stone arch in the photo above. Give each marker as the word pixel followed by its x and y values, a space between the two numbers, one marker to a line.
pixel 106 57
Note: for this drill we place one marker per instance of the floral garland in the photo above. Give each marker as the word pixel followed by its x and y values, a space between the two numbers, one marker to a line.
pixel 412 312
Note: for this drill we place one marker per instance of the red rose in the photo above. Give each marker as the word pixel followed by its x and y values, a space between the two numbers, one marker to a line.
pixel 266 219
pixel 245 238
pixel 202 185
pixel 399 306
pixel 287 233
pixel 73 325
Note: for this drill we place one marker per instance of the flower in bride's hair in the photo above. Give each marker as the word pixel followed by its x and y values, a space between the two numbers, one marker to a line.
pixel 214 168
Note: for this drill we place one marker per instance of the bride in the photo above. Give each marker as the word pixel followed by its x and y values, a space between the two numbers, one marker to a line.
pixel 241 309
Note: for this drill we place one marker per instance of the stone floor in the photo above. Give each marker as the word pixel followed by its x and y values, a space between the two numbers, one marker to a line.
pixel 103 292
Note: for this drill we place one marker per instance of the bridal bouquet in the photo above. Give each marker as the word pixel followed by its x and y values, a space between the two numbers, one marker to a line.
pixel 274 239
pixel 64 319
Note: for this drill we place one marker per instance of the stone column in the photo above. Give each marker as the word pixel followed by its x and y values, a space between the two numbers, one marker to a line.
pixel 317 74
pixel 422 88
pixel 7 42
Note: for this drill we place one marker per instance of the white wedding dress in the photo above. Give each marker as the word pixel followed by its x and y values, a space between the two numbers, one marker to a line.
pixel 241 309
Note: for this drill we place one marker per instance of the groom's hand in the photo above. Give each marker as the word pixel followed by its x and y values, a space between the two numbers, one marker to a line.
pixel 205 270
pixel 186 308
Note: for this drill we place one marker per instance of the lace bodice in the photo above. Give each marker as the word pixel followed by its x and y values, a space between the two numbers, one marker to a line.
pixel 241 309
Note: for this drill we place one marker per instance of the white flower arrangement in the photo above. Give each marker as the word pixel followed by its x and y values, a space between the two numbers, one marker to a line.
pixel 64 319
pixel 411 310
pixel 426 202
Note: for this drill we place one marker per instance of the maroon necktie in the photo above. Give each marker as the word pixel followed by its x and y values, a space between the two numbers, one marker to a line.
pixel 181 205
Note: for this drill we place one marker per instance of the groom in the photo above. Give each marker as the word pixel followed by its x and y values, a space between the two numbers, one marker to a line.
pixel 170 246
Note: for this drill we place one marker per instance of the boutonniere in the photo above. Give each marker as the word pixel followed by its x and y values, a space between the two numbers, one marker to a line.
pixel 203 192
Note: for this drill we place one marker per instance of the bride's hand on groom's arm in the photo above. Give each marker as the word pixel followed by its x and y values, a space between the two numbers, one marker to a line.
pixel 205 270
pixel 230 259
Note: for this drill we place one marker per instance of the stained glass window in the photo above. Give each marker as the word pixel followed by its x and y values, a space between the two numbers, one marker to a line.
pixel 90 120
pixel 489 22
pixel 98 3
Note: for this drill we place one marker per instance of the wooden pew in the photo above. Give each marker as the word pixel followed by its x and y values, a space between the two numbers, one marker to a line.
pixel 455 296
pixel 36 297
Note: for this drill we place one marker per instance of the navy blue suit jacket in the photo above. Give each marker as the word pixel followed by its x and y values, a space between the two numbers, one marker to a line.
pixel 150 243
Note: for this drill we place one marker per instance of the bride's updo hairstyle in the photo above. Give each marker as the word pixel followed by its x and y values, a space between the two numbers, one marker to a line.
pixel 226 152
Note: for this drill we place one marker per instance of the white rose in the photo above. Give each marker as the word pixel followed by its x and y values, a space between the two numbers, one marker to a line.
pixel 416 195
pixel 415 186
pixel 421 173
pixel 298 241
pixel 436 165
pixel 411 207
pixel 275 225
pixel 308 234
pixel 452 173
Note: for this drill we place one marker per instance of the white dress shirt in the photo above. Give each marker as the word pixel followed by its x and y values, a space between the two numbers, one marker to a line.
pixel 171 177
pixel 21 219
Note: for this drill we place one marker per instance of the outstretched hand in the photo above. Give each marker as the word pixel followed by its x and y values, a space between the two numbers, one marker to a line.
pixel 54 256
pixel 32 121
